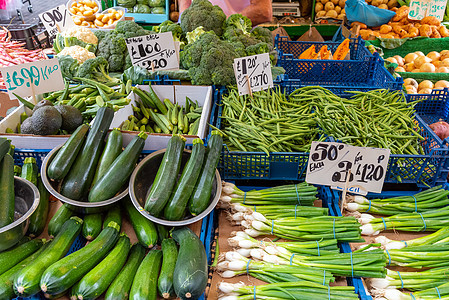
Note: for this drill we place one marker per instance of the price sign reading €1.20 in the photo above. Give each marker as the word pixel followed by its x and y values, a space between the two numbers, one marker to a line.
pixel 56 17
pixel 33 78
pixel 425 8
pixel 153 52
pixel 255 70
pixel 330 162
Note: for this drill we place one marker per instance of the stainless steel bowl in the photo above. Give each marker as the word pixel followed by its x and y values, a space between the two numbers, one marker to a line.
pixel 142 178
pixel 79 206
pixel 26 202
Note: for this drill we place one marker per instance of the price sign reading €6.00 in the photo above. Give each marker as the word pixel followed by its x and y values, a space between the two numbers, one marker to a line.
pixel 253 72
pixel 56 17
pixel 424 8
pixel 330 163
pixel 153 52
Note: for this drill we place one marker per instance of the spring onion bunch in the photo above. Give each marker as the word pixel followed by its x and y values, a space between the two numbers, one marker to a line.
pixel 432 220
pixel 430 199
pixel 440 292
pixel 233 264
pixel 343 229
pixel 323 247
pixel 275 211
pixel 286 290
pixel 425 256
pixel 440 236
pixel 413 281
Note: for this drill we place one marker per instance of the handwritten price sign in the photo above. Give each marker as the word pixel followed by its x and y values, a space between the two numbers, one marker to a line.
pixel 33 78
pixel 330 163
pixel 253 72
pixel 56 17
pixel 154 51
pixel 424 8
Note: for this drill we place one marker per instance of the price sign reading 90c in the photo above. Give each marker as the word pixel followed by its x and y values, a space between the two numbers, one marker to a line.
pixel 55 17
pixel 329 164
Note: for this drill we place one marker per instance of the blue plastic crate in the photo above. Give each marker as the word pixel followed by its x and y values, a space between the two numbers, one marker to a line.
pixel 294 49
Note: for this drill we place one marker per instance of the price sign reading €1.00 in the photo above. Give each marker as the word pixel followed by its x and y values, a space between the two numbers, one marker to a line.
pixel 424 8
pixel 256 69
pixel 33 78
pixel 56 17
pixel 154 51
pixel 330 162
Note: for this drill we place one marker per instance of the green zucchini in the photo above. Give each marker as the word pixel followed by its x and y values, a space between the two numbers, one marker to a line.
pixel 145 282
pixel 145 230
pixel 17 170
pixel 27 281
pixel 159 104
pixel 7 199
pixel 30 170
pixel 66 155
pixel 145 98
pixel 39 218
pixel 190 275
pixel 169 257
pixel 200 198
pixel 119 171
pixel 10 258
pixel 4 147
pixel 79 179
pixel 113 214
pixel 162 232
pixel 60 276
pixel 11 151
pixel 92 226
pixel 7 278
pixel 166 176
pixel 59 218
pixel 120 287
pixel 112 149
pixel 180 196
pixel 94 283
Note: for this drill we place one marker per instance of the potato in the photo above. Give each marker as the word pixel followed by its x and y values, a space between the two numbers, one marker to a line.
pixel 409 67
pixel 99 23
pixel 343 12
pixel 376 2
pixel 332 14
pixel 73 10
pixel 105 19
pixel 443 70
pixel 425 91
pixel 84 23
pixel 409 58
pixel 88 13
pixel 411 89
pixel 400 60
pixel 342 3
pixel 427 68
pixel 392 60
pixel 383 6
pixel 319 7
pixel 321 14
pixel 399 69
pixel 441 84
pixel 444 54
pixel 77 21
pixel 392 3
pixel 411 82
pixel 433 55
pixel 341 16
pixel 335 2
pixel 425 84
pixel 329 6
pixel 436 63
pixel 445 62
pixel 338 9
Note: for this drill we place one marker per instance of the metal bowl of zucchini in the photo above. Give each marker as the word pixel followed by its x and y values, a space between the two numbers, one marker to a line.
pixel 26 200
pixel 151 181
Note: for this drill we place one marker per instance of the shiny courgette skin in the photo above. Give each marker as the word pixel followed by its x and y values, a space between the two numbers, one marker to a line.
pixel 92 226
pixel 112 149
pixel 169 257
pixel 63 274
pixel 94 283
pixel 145 282
pixel 39 218
pixel 113 214
pixel 30 170
pixel 59 218
pixel 4 147
pixel 10 258
pixel 27 281
pixel 145 229
pixel 7 198
pixel 120 287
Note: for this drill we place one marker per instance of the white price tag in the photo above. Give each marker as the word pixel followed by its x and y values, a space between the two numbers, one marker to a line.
pixel 56 17
pixel 33 78
pixel 425 8
pixel 253 72
pixel 329 163
pixel 154 51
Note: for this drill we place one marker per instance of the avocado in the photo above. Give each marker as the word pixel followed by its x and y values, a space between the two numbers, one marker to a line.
pixel 71 117
pixel 40 104
pixel 46 120
pixel 27 126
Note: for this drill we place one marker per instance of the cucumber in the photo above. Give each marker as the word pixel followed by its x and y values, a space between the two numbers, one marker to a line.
pixel 7 278
pixel 7 198
pixel 113 214
pixel 39 218
pixel 27 281
pixel 92 226
pixel 201 194
pixel 112 149
pixel 169 256
pixel 63 161
pixel 162 232
pixel 77 182
pixel 120 287
pixel 190 275
pixel 177 204
pixel 10 258
pixel 60 276
pixel 166 176
pixel 59 218
pixel 30 170
pixel 4 147
pixel 145 230
pixel 119 171
pixel 145 282
pixel 94 283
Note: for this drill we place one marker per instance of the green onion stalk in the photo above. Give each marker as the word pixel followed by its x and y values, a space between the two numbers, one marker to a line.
pixel 437 237
pixel 245 243
pixel 432 220
pixel 343 229
pixel 433 293
pixel 430 199
pixel 413 281
pixel 425 256
pixel 358 264
pixel 233 264
pixel 286 290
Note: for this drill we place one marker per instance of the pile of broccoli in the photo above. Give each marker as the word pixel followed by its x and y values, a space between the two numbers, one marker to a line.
pixel 93 68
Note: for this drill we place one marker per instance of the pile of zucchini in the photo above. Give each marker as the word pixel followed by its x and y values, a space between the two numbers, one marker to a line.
pixel 7 198
pixel 169 198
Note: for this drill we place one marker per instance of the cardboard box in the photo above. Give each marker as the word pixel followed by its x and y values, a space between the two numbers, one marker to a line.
pixel 6 103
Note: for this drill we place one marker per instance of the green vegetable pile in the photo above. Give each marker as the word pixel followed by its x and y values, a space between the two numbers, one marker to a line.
pixel 143 6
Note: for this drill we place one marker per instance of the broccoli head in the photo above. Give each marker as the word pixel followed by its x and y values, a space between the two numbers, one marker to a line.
pixel 97 69
pixel 130 29
pixel 203 13
pixel 258 48
pixel 69 66
pixel 113 48
pixel 194 35
pixel 239 22
pixel 262 34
